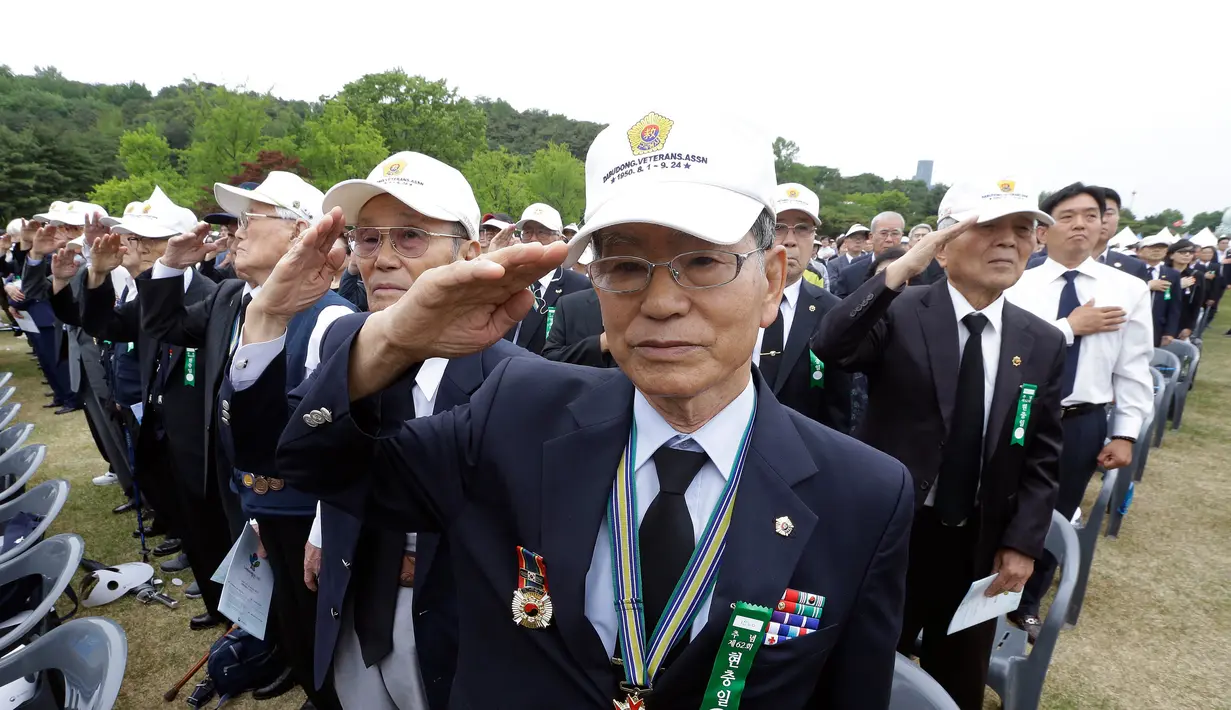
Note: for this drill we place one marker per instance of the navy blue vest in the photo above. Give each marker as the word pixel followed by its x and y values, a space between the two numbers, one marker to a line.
pixel 125 374
pixel 287 501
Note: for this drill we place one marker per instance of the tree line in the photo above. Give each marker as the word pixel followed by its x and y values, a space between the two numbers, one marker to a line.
pixel 64 139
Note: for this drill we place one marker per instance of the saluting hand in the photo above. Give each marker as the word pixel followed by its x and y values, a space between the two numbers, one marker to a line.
pixel 504 238
pixel 916 260
pixel 94 228
pixel 106 255
pixel 301 277
pixel 44 242
pixel 449 312
pixel 63 268
pixel 189 248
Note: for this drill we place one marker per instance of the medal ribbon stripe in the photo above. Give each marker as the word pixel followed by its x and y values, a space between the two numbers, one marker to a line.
pixel 692 589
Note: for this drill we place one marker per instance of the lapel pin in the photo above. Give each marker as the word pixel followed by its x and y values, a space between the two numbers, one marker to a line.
pixel 812 308
pixel 1118 264
pixel 559 290
pixel 783 526
pixel 1017 361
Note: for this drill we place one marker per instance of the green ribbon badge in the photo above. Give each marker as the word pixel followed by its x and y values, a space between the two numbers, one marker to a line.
pixel 551 316
pixel 190 367
pixel 745 632
pixel 1023 414
pixel 817 375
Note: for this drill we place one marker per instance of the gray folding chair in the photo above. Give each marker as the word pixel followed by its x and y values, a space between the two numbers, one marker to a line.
pixel 5 377
pixel 914 689
pixel 1169 365
pixel 45 500
pixel 54 561
pixel 13 437
pixel 1087 537
pixel 18 467
pixel 7 413
pixel 1141 451
pixel 1015 674
pixel 1188 356
pixel 90 654
pixel 6 393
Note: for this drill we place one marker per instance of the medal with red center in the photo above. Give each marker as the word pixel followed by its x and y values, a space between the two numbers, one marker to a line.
pixel 531 603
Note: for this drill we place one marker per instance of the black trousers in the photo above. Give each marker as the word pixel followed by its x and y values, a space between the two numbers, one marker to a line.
pixel 1083 440
pixel 293 603
pixel 941 570
pixel 54 368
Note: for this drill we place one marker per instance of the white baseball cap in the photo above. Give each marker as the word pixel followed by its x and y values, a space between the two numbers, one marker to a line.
pixel 856 229
pixel 156 218
pixel 1164 238
pixel 280 189
pixel 418 181
pixel 793 196
pixel 493 222
pixel 14 228
pixel 991 199
pixel 128 209
pixel 544 214
pixel 703 175
pixel 571 227
pixel 72 213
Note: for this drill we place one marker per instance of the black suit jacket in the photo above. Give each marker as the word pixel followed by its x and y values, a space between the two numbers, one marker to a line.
pixel 1167 306
pixel 1127 263
pixel 851 277
pixel 907 343
pixel 829 404
pixel 1191 299
pixel 575 331
pixel 531 461
pixel 531 333
pixel 1213 288
pixel 933 273
pixel 206 325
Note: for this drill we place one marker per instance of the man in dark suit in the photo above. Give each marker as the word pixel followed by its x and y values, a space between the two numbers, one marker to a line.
pixel 886 233
pixel 577 332
pixel 1215 284
pixel 850 248
pixel 383 654
pixel 1111 225
pixel 500 478
pixel 799 379
pixel 1165 284
pixel 964 389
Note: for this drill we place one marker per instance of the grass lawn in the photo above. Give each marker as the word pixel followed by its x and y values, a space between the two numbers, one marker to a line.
pixel 1154 632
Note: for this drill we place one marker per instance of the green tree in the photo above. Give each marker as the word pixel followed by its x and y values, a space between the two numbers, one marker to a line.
pixel 498 180
pixel 413 113
pixel 114 194
pixel 1205 220
pixel 527 131
pixel 558 179
pixel 785 152
pixel 334 145
pixel 144 151
pixel 227 133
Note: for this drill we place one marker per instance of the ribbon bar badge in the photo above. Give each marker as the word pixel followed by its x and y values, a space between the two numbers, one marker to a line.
pixel 531 604
pixel 1023 414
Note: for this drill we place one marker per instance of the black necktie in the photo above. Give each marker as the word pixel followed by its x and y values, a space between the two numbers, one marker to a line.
pixel 963 454
pixel 1069 302
pixel 771 349
pixel 665 536
pixel 239 322
pixel 1102 259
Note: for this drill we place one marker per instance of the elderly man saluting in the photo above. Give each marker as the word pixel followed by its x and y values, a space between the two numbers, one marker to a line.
pixel 631 513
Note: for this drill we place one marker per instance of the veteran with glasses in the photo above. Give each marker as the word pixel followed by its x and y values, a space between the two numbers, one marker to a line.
pixel 886 233
pixel 610 527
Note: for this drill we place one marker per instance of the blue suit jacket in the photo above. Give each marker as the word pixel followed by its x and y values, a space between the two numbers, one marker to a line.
pixel 531 462
pixel 1167 310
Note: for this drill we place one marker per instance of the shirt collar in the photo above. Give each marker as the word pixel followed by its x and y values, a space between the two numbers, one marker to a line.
pixel 187 279
pixel 431 372
pixel 547 278
pixel 962 308
pixel 791 293
pixel 720 437
pixel 1055 269
pixel 250 290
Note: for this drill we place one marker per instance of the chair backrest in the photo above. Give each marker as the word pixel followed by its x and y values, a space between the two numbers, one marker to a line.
pixel 1186 353
pixel 13 437
pixel 89 653
pixel 45 500
pixel 18 467
pixel 6 393
pixel 914 689
pixel 5 377
pixel 1088 537
pixel 54 560
pixel 1167 363
pixel 7 413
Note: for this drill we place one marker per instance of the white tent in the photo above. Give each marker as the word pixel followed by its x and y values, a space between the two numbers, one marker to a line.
pixel 1124 239
pixel 1205 238
pixel 1166 234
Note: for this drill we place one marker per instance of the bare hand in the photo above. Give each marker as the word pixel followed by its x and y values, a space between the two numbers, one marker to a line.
pixel 13 313
pixel 1209 302
pixel 1187 281
pixel 920 256
pixel 504 238
pixel 311 563
pixel 260 546
pixel 28 232
pixel 45 242
pixel 189 248
pixel 1088 319
pixel 1210 275
pixel 1160 285
pixel 64 267
pixel 14 292
pixel 301 277
pixel 1116 454
pixel 1185 333
pixel 602 341
pixel 94 228
pixel 1166 340
pixel 1012 569
pixel 106 255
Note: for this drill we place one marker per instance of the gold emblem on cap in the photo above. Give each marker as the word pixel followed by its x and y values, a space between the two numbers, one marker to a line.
pixel 145 209
pixel 395 168
pixel 792 193
pixel 649 135
pixel 1017 361
pixel 1007 185
pixel 783 526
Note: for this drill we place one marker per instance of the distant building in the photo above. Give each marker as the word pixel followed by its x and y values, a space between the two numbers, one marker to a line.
pixel 924 172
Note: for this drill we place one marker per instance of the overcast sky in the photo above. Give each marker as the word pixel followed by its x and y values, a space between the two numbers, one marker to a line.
pixel 1132 95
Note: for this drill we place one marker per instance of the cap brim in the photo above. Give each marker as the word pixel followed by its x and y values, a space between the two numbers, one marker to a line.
pixel 996 211
pixel 714 214
pixel 352 195
pixel 522 222
pixel 495 223
pixel 145 228
pixel 67 220
pixel 109 221
pixel 219 218
pixel 44 217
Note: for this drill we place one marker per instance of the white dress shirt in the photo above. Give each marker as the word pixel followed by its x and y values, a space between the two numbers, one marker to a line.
pixel 1112 367
pixel 990 341
pixel 720 438
pixel 790 299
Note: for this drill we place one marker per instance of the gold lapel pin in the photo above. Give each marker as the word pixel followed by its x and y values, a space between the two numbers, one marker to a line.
pixel 1017 361
pixel 812 308
pixel 783 526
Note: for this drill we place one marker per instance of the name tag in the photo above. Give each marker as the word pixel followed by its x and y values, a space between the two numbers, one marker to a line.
pixel 1023 414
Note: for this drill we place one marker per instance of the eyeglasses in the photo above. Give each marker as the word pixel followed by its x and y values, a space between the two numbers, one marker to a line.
pixel 887 233
pixel 535 235
pixel 1189 252
pixel 803 229
pixel 706 268
pixel 409 242
pixel 246 218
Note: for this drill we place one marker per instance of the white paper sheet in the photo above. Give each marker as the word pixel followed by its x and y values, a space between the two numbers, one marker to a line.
pixel 248 587
pixel 26 322
pixel 977 607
